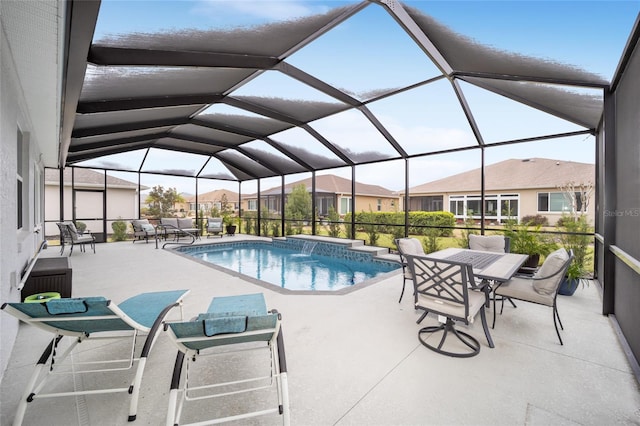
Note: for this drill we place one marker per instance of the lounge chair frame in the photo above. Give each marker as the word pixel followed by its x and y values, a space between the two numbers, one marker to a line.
pixel 102 320
pixel 196 346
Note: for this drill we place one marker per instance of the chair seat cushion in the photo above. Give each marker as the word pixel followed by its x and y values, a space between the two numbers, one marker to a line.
pixel 453 310
pixel 522 288
pixel 84 239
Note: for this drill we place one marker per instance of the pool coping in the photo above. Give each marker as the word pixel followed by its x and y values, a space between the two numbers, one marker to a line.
pixel 275 287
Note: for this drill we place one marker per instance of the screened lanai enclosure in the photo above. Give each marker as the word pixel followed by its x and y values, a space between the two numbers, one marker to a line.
pixel 371 106
pixel 382 95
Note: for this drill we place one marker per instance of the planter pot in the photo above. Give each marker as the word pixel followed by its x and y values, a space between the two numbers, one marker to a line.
pixel 568 286
pixel 530 266
pixel 533 261
pixel 231 229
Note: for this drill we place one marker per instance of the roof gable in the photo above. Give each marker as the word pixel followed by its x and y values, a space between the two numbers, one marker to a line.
pixel 513 174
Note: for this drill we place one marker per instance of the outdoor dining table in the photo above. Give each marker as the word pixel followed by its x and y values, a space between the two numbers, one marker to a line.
pixel 487 266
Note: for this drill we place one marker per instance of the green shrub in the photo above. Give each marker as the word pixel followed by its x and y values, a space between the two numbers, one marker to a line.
pixel 370 228
pixel 81 226
pixel 275 229
pixel 119 230
pixel 334 223
pixel 536 220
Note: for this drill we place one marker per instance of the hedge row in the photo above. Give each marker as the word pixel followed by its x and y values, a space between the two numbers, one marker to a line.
pixel 420 223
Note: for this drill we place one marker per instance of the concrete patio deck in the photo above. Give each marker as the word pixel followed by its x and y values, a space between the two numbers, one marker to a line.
pixel 354 359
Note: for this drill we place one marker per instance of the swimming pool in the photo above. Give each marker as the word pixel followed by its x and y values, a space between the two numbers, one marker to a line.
pixel 295 264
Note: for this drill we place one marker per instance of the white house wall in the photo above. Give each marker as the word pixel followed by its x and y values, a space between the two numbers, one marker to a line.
pixel 29 73
pixel 122 203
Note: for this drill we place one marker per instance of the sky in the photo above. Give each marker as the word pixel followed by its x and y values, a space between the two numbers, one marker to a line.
pixel 587 34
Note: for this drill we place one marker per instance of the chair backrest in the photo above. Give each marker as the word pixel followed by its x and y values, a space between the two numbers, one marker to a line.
pixel 442 286
pixel 137 224
pixel 492 243
pixel 65 234
pixel 142 225
pixel 408 246
pixel 73 231
pixel 214 223
pixel 185 223
pixel 170 221
pixel 548 278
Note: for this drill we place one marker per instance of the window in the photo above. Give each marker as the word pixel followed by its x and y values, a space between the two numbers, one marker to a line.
pixel 557 202
pixel 500 206
pixel 20 180
pixel 456 207
pixel 509 208
pixel 345 205
pixel 379 204
pixel 252 205
pixel 473 207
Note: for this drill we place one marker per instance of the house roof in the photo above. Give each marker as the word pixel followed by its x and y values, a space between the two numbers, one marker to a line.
pixel 513 174
pixel 214 196
pixel 331 184
pixel 88 178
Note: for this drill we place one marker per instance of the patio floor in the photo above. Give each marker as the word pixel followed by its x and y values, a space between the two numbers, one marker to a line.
pixel 354 359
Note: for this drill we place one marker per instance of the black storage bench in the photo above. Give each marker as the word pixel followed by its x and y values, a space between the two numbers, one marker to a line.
pixel 49 275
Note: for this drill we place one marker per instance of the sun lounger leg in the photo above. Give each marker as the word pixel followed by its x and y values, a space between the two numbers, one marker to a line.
pixel 175 390
pixel 283 386
pixel 28 392
pixel 134 390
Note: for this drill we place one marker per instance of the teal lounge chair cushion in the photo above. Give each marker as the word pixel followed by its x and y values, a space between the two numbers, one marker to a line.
pixel 245 304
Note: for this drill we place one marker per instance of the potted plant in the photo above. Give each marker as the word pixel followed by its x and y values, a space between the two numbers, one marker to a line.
pixel 525 239
pixel 575 237
pixel 230 228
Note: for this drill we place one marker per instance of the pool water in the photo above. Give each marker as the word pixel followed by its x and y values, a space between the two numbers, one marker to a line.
pixel 290 268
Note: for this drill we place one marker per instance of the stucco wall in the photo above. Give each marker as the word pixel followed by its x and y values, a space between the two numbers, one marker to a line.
pixel 121 203
pixel 20 244
pixel 32 109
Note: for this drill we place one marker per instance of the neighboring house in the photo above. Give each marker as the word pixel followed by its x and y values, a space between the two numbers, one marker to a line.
pixel 207 201
pixel 331 191
pixel 119 202
pixel 514 188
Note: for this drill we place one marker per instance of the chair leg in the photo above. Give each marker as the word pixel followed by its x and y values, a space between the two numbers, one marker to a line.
pixel 483 316
pixel 404 281
pixel 447 327
pixel 424 314
pixel 555 323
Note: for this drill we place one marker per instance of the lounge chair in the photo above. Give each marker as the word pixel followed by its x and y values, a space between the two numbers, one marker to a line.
pixel 142 229
pixel 169 226
pixel 232 326
pixel 69 234
pixel 186 226
pixel 215 227
pixel 88 319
